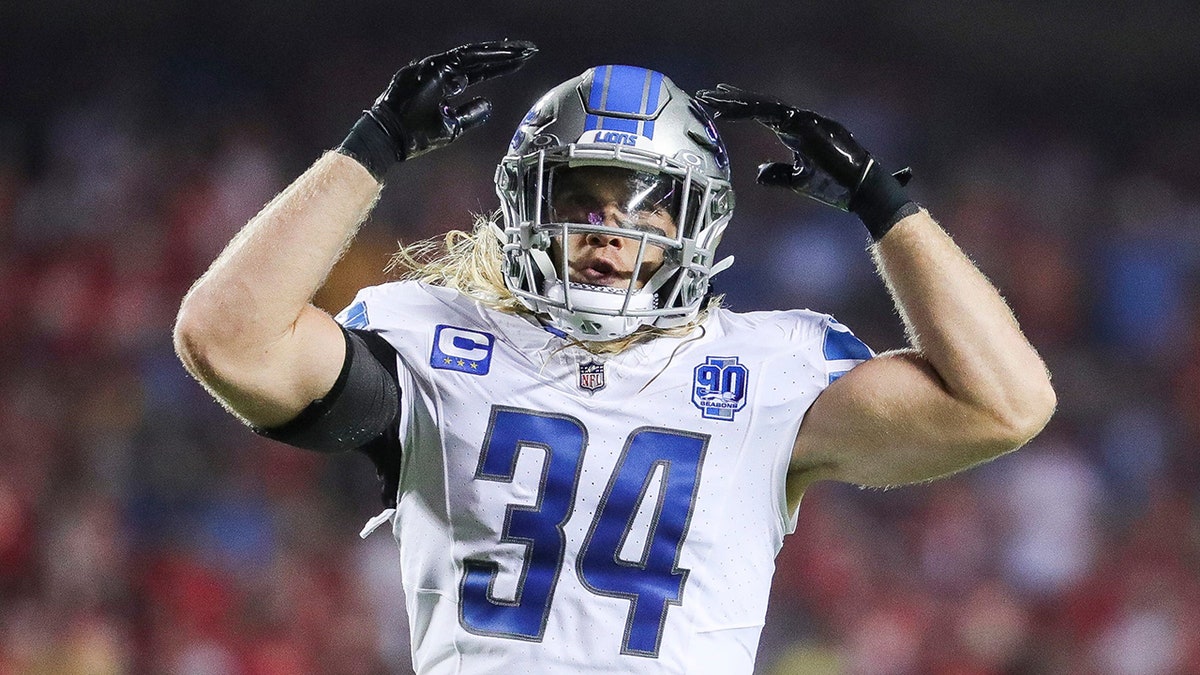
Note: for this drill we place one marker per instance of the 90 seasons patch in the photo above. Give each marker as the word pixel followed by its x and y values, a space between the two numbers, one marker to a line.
pixel 719 387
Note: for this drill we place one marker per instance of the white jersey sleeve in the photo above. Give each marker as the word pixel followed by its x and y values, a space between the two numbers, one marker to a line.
pixel 560 511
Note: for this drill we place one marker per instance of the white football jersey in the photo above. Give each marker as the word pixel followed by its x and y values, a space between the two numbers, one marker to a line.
pixel 562 512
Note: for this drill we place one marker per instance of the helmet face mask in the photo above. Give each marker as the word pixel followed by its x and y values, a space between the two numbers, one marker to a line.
pixel 614 194
pixel 609 226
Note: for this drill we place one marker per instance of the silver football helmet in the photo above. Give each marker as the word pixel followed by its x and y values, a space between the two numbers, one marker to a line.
pixel 614 192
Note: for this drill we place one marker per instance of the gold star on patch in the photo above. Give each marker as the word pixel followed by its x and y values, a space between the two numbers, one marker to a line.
pixel 474 366
pixel 446 360
pixel 461 363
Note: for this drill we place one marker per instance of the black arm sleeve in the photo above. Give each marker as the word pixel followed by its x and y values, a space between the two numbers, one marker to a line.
pixel 362 404
pixel 360 412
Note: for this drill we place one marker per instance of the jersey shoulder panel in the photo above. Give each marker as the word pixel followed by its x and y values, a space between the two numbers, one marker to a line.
pixel 814 337
pixel 432 327
pixel 772 326
pixel 405 304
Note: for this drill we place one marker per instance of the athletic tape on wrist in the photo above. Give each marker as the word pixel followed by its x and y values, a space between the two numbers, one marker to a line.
pixel 878 200
pixel 369 144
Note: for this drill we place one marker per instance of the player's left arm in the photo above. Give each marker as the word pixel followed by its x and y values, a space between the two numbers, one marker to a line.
pixel 970 388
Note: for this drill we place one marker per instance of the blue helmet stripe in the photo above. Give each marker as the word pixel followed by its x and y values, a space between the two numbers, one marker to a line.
pixel 623 93
pixel 599 83
pixel 596 96
pixel 619 124
pixel 626 90
pixel 652 102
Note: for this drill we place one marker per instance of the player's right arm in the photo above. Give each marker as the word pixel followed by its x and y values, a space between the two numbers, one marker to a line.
pixel 970 387
pixel 247 329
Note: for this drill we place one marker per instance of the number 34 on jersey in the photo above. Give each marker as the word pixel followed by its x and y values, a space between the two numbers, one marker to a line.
pixel 666 458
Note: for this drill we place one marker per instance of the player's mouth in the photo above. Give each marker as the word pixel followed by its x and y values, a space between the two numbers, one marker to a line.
pixel 599 272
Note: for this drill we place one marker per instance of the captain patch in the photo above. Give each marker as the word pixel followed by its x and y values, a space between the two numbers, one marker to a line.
pixel 462 349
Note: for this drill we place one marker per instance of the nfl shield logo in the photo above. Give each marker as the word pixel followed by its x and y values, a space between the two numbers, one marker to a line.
pixel 591 376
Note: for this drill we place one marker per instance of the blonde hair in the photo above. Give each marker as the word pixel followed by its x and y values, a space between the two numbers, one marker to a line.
pixel 470 262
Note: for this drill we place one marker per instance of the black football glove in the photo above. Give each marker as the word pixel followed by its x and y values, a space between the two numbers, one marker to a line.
pixel 828 165
pixel 413 115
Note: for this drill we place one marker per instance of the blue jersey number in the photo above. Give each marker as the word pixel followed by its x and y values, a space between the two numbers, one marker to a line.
pixel 650 578
pixel 539 527
pixel 652 581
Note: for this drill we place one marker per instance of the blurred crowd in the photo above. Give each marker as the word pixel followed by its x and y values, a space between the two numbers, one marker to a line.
pixel 143 529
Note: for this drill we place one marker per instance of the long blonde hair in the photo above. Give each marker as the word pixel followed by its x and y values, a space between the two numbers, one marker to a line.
pixel 470 263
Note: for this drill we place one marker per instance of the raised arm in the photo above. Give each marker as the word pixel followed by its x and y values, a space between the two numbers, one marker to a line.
pixel 247 329
pixel 969 388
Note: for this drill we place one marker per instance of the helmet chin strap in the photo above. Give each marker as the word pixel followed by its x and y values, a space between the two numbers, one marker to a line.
pixel 583 324
pixel 601 297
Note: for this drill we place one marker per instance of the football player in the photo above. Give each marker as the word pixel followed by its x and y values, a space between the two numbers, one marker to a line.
pixel 590 464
